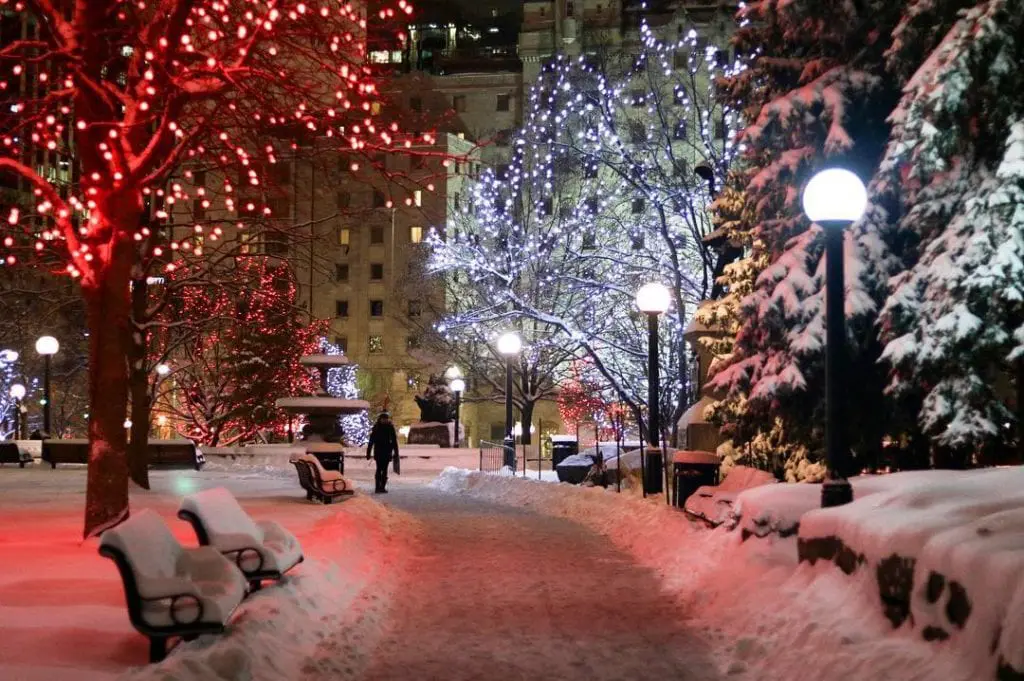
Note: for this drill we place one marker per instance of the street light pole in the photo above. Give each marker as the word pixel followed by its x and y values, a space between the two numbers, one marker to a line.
pixel 458 385
pixel 509 345
pixel 653 300
pixel 835 199
pixel 46 346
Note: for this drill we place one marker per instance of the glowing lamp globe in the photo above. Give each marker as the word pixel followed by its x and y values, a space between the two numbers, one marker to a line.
pixel 9 356
pixel 453 372
pixel 835 195
pixel 47 345
pixel 653 298
pixel 509 344
pixel 18 391
pixel 163 369
pixel 458 385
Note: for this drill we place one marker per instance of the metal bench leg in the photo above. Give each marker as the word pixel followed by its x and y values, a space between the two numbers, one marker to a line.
pixel 157 648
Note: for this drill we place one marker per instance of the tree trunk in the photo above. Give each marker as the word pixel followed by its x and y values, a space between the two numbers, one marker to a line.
pixel 526 418
pixel 108 312
pixel 138 382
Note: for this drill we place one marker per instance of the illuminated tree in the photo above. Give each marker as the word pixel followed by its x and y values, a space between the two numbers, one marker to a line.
pixel 126 94
pixel 608 190
pixel 227 373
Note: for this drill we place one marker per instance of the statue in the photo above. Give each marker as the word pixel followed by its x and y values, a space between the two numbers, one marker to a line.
pixel 437 405
pixel 437 411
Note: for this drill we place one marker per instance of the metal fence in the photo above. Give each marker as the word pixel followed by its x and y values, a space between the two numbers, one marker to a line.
pixel 492 456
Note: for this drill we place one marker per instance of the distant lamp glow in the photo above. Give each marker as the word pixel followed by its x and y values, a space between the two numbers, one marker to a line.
pixel 160 420
pixel 17 391
pixel 835 195
pixel 653 298
pixel 517 429
pixel 47 345
pixel 509 344
pixel 127 423
pixel 452 373
pixel 458 385
pixel 9 356
pixel 163 369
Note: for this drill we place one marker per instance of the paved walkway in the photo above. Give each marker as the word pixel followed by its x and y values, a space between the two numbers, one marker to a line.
pixel 494 593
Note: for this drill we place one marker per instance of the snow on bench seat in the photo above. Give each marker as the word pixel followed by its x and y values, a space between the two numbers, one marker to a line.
pixel 171 590
pixel 261 550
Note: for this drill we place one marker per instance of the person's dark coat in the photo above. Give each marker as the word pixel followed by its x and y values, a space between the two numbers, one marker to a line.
pixel 383 445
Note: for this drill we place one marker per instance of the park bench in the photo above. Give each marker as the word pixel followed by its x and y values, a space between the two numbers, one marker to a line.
pixel 162 453
pixel 171 591
pixel 10 453
pixel 319 483
pixel 261 550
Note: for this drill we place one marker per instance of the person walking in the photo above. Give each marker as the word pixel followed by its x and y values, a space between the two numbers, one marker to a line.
pixel 382 447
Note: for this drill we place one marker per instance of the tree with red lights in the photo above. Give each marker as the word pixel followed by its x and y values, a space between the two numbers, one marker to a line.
pixel 233 348
pixel 130 96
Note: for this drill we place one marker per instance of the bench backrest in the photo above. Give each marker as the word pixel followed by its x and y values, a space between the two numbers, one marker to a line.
pixel 318 469
pixel 305 474
pixel 221 514
pixel 147 544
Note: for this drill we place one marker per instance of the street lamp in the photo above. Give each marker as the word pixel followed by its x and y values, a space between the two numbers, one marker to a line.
pixel 47 346
pixel 452 373
pixel 17 392
pixel 457 385
pixel 653 300
pixel 162 369
pixel 835 198
pixel 509 345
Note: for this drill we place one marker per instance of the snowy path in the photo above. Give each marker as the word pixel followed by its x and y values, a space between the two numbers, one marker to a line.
pixel 495 592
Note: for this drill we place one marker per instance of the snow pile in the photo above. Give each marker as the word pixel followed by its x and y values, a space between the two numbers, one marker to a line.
pixel 946 550
pixel 763 615
pixel 714 504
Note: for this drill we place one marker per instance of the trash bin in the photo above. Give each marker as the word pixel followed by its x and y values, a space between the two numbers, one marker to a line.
pixel 562 446
pixel 690 471
pixel 654 471
pixel 573 469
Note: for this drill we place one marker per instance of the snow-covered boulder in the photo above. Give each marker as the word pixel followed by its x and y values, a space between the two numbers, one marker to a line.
pixel 714 504
pixel 946 553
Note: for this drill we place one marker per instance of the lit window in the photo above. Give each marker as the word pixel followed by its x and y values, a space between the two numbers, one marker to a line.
pixel 376 345
pixel 343 236
pixel 415 235
pixel 380 57
pixel 418 197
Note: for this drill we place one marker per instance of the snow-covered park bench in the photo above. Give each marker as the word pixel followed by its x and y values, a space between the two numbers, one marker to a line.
pixel 171 591
pixel 318 482
pixel 261 550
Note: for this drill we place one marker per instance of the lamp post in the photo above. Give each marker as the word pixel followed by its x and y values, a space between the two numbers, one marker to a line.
pixel 17 393
pixel 835 198
pixel 457 385
pixel 47 346
pixel 509 345
pixel 653 300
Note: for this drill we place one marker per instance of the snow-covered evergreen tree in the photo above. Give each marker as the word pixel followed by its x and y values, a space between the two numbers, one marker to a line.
pixel 954 172
pixel 817 95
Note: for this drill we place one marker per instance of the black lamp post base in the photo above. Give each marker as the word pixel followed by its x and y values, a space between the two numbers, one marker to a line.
pixel 836 492
pixel 655 471
pixel 510 453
